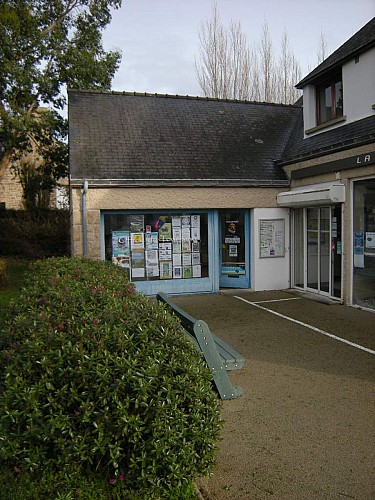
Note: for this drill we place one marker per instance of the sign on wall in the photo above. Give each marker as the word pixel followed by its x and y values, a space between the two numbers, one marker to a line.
pixel 272 238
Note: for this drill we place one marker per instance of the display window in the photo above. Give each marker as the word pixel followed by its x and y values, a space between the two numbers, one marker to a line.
pixel 158 246
pixel 364 244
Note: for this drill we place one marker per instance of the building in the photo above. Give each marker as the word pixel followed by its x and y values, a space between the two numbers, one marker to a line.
pixel 194 194
pixel 330 161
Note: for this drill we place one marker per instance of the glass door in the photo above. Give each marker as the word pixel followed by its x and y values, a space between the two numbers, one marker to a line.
pixel 323 238
pixel 234 251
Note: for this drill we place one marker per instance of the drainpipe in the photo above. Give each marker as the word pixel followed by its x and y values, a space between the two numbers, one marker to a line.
pixel 84 218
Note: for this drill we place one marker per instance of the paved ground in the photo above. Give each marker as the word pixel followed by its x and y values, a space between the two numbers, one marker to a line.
pixel 305 426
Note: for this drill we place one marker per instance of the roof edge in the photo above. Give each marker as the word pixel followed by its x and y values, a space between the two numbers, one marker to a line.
pixel 185 183
pixel 178 96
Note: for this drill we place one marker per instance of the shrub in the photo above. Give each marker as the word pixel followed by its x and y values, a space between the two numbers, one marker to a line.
pixel 96 377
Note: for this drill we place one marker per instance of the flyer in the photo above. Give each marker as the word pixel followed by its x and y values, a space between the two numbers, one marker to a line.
pixel 176 246
pixel 152 241
pixel 176 221
pixel 165 251
pixel 185 220
pixel 186 234
pixel 186 259
pixel 136 223
pixel 177 272
pixel 195 259
pixel 166 270
pixel 195 221
pixel 120 243
pixel 195 233
pixel 176 259
pixel 177 234
pixel 137 241
pixel 186 272
pixel 165 232
pixel 197 271
pixel 185 246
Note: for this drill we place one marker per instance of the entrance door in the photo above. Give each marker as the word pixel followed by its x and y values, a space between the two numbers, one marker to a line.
pixel 234 250
pixel 324 250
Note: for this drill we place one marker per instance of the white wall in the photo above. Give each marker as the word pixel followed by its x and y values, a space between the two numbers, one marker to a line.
pixel 359 86
pixel 271 273
pixel 358 90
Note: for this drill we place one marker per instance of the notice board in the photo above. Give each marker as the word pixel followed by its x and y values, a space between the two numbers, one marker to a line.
pixel 272 238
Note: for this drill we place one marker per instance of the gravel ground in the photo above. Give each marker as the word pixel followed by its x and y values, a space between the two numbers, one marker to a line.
pixel 305 426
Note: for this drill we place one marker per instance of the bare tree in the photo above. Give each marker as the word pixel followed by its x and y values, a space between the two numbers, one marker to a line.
pixel 224 65
pixel 228 69
pixel 288 73
pixel 322 48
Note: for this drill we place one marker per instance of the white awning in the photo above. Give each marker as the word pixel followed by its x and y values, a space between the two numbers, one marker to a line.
pixel 318 194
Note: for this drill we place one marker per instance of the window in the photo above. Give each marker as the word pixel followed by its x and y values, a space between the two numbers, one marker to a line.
pixel 330 100
pixel 158 245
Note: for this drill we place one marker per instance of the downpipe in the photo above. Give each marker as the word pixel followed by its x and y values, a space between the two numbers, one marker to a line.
pixel 84 219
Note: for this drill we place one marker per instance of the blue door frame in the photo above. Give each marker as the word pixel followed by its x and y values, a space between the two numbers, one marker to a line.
pixel 235 274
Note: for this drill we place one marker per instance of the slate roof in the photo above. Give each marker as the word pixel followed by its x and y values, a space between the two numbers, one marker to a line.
pixel 361 41
pixel 347 136
pixel 125 138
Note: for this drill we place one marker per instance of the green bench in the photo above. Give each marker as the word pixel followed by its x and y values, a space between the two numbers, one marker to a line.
pixel 219 356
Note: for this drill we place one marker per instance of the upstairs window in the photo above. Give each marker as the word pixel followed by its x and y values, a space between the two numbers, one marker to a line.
pixel 329 100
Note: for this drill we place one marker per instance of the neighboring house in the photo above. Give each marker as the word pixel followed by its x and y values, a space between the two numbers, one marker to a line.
pixel 330 160
pixel 194 194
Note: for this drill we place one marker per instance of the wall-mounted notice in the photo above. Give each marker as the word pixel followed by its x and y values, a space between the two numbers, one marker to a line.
pixel 272 238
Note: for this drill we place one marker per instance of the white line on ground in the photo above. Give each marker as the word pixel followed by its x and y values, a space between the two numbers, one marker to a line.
pixel 357 346
pixel 275 300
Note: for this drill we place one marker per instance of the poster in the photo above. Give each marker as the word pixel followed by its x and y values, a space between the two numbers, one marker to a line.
pixel 165 251
pixel 176 221
pixel 137 241
pixel 358 249
pixel 177 259
pixel 136 223
pixel 185 221
pixel 195 233
pixel 177 272
pixel 231 228
pixel 195 259
pixel 197 271
pixel 152 241
pixel 177 234
pixel 120 243
pixel 166 270
pixel 195 221
pixel 186 259
pixel 152 263
pixel 165 231
pixel 272 237
pixel 185 234
pixel 370 240
pixel 187 272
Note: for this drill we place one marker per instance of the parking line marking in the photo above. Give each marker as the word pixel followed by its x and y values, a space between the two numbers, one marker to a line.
pixel 357 346
pixel 276 300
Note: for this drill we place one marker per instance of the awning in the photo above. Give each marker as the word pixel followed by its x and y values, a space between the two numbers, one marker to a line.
pixel 318 194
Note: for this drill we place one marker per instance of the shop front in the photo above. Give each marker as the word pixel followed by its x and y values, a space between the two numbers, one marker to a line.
pixel 179 251
pixel 317 237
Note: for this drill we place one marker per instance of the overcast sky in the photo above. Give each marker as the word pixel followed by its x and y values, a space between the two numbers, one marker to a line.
pixel 159 38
